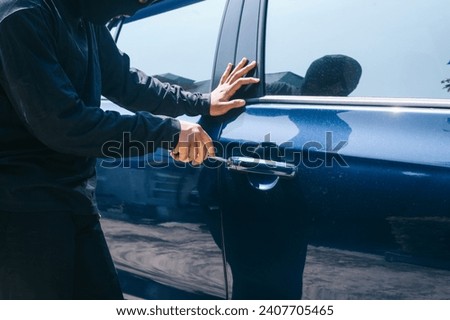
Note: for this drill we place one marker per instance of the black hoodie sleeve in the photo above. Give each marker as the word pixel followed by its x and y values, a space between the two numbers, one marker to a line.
pixel 49 106
pixel 135 91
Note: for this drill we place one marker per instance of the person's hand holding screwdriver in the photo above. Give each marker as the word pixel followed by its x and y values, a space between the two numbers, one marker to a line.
pixel 194 144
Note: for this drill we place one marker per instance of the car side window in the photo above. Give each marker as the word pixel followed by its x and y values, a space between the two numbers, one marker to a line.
pixel 177 46
pixel 381 48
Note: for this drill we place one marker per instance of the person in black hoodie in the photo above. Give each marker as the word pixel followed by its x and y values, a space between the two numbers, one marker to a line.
pixel 56 61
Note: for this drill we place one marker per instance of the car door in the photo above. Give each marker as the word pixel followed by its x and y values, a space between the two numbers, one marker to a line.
pixel 351 177
pixel 156 230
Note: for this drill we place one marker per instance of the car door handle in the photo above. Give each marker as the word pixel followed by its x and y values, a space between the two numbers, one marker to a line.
pixel 260 166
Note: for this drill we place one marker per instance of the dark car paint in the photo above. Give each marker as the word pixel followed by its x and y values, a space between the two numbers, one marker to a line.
pixel 373 177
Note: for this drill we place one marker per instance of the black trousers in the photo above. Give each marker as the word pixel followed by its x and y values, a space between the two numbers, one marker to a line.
pixel 55 256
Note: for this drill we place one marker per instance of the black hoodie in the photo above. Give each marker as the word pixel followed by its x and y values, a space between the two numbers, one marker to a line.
pixel 56 60
pixel 101 11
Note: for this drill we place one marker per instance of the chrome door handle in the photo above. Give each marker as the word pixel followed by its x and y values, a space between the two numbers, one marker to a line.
pixel 260 166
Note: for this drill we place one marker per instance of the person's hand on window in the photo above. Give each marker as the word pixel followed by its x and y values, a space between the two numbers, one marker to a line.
pixel 230 82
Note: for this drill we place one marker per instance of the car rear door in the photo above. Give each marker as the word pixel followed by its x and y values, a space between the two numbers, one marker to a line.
pixel 362 179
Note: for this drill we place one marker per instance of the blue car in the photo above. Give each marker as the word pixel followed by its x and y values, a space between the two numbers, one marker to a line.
pixel 332 183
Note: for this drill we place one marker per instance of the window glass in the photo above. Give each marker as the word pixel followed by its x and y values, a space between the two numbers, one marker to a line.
pixel 379 48
pixel 177 46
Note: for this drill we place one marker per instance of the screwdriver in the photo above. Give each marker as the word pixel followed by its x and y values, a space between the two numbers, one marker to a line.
pixel 220 159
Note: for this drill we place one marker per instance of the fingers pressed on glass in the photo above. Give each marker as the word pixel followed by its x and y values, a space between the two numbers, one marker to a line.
pixel 227 72
pixel 242 72
pixel 237 69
